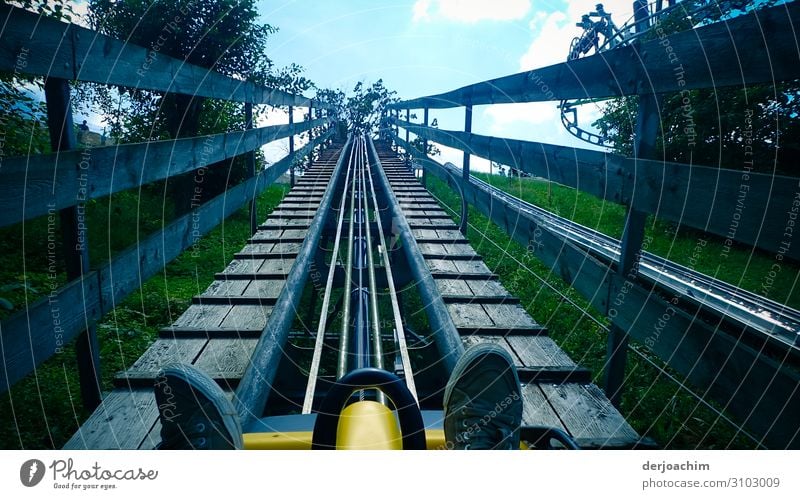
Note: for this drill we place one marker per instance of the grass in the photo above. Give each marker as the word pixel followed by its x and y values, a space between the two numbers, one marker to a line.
pixel 702 252
pixel 113 224
pixel 43 410
pixel 656 406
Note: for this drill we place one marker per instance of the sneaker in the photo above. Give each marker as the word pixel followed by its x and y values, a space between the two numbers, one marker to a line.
pixel 482 401
pixel 194 411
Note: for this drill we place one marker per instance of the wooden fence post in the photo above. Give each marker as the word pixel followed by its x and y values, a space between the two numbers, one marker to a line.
pixel 647 124
pixel 424 149
pixel 465 172
pixel 74 237
pixel 408 120
pixel 385 127
pixel 311 133
pixel 387 130
pixel 250 158
pixel 291 146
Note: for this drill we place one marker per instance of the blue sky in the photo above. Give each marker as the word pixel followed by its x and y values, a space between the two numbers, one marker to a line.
pixel 421 47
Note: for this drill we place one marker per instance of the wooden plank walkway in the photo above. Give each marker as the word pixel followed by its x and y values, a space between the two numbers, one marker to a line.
pixel 556 391
pixel 221 327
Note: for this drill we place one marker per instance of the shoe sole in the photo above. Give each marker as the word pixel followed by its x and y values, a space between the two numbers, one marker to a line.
pixel 471 355
pixel 208 388
pixel 475 354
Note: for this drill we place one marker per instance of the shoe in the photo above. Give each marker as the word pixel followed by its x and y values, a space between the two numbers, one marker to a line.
pixel 194 411
pixel 482 401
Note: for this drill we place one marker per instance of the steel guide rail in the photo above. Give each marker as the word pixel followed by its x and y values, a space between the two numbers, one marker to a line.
pixel 348 279
pixel 360 344
pixel 373 286
pixel 446 335
pixel 759 313
pixel 256 383
pixel 313 374
pixel 751 374
pixel 399 330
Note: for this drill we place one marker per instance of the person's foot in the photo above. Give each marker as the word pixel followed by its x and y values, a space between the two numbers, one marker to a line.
pixel 482 401
pixel 194 411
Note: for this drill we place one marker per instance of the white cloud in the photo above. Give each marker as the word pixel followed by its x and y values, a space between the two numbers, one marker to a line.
pixel 278 149
pixel 529 112
pixel 81 9
pixel 470 11
pixel 553 33
pixel 455 156
pixel 551 41
pixel 551 36
pixel 422 10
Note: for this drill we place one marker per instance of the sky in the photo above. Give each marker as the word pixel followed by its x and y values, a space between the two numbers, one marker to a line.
pixel 423 47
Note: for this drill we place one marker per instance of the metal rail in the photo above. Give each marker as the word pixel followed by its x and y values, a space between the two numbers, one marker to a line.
pixel 348 279
pixel 256 384
pixel 399 330
pixel 373 286
pixel 446 335
pixel 360 347
pixel 316 359
pixel 360 341
pixel 747 372
pixel 759 313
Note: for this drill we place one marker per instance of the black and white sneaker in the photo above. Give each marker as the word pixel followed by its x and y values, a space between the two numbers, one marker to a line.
pixel 194 411
pixel 482 401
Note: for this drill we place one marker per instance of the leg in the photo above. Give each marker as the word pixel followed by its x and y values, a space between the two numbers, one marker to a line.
pixel 194 411
pixel 482 401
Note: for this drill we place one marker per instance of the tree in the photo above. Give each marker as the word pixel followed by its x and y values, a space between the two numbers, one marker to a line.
pixel 335 101
pixel 222 35
pixel 712 126
pixel 366 108
pixel 716 125
pixel 23 117
pixel 419 144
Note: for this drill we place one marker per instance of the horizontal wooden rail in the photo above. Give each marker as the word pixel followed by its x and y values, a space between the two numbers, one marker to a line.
pixel 757 209
pixel 760 391
pixel 30 186
pixel 593 172
pixel 33 335
pixel 40 46
pixel 758 47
